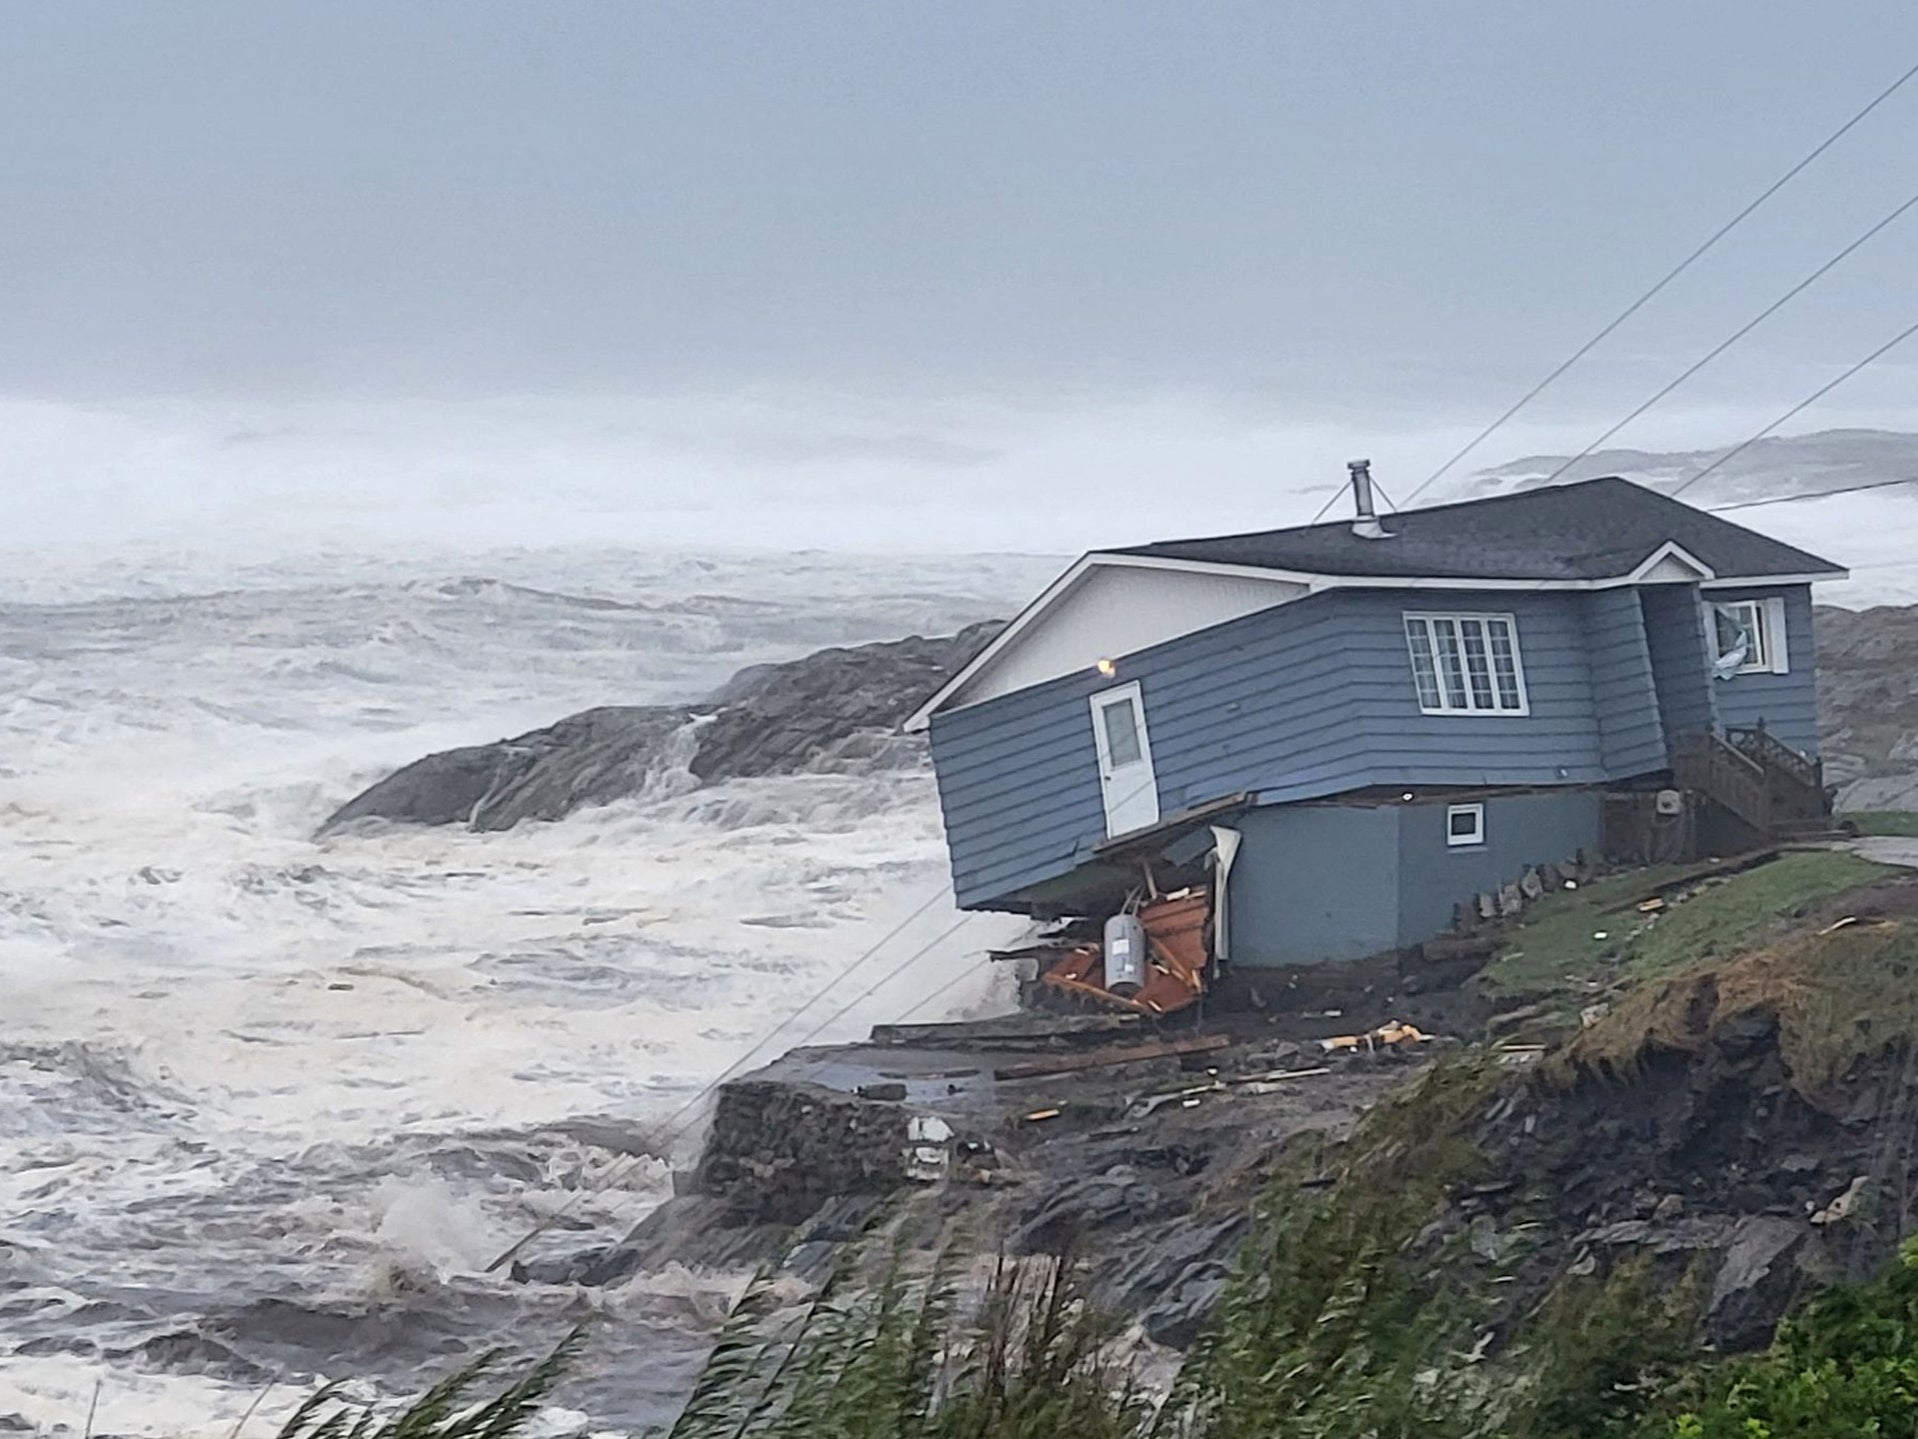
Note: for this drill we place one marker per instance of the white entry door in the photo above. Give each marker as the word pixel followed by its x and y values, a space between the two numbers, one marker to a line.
pixel 1125 760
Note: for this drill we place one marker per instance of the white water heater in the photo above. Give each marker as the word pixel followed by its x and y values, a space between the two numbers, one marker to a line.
pixel 1125 954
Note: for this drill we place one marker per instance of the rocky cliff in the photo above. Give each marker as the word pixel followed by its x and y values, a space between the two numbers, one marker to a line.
pixel 835 709
pixel 1868 705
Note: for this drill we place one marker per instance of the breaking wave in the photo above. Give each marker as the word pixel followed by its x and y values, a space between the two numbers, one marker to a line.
pixel 274 1102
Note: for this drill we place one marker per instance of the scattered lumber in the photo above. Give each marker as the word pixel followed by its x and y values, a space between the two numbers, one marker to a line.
pixel 1113 1054
pixel 1012 1029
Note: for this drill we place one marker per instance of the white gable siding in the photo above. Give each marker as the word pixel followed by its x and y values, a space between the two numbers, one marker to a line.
pixel 1120 610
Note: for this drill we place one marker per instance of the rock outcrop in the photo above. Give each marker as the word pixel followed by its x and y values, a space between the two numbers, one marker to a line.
pixel 836 709
pixel 1868 704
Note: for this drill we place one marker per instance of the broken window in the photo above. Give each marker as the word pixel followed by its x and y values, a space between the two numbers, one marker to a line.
pixel 1748 637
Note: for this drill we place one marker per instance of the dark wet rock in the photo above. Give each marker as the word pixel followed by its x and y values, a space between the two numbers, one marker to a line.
pixel 1756 1281
pixel 1170 1276
pixel 1868 704
pixel 1071 1217
pixel 188 1352
pixel 837 709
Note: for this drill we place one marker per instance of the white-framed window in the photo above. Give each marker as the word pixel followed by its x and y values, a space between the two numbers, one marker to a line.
pixel 1748 637
pixel 1464 824
pixel 1467 664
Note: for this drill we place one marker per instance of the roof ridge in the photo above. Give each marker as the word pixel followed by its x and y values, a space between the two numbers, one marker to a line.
pixel 1332 525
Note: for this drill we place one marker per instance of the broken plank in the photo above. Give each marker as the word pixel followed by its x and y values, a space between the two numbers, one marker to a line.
pixel 1012 1029
pixel 1101 1058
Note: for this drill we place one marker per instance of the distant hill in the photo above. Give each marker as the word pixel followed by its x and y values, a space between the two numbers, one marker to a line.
pixel 1788 465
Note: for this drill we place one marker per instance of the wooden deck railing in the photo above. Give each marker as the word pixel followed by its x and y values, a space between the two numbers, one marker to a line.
pixel 1797 780
pixel 1752 773
pixel 1711 765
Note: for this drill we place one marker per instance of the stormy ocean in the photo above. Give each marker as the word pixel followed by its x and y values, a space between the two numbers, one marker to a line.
pixel 271 1104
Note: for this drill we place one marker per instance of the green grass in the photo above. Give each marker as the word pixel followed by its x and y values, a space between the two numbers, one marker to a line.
pixel 1903 823
pixel 1575 944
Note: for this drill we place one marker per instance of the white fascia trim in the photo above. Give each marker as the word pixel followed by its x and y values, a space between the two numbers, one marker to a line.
pixel 1750 582
pixel 1021 622
pixel 1059 588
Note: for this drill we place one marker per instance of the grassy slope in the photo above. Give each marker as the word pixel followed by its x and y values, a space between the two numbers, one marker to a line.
pixel 1885 821
pixel 1377 1308
pixel 1575 945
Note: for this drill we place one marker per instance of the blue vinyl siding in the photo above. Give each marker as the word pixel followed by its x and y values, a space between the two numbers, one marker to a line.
pixel 1297 702
pixel 1787 703
pixel 1323 882
pixel 1630 738
pixel 1521 830
pixel 1680 656
pixel 1314 882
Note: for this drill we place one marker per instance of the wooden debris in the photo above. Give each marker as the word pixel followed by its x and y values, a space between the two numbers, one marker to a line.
pixel 1389 1034
pixel 1039 1114
pixel 1021 1030
pixel 1102 1058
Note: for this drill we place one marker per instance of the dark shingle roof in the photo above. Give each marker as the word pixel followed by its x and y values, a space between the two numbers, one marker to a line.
pixel 1592 530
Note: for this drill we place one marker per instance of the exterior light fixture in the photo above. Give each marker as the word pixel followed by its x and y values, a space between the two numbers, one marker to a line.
pixel 1407 796
pixel 1106 667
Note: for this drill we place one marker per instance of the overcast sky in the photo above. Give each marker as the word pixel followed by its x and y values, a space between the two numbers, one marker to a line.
pixel 899 234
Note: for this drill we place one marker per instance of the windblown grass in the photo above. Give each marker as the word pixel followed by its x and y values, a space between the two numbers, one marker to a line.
pixel 909 1360
pixel 1900 822
pixel 446 1411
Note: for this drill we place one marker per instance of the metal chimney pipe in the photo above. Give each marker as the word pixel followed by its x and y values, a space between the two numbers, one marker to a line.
pixel 1366 526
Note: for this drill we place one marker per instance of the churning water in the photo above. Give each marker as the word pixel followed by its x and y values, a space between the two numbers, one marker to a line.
pixel 268 1105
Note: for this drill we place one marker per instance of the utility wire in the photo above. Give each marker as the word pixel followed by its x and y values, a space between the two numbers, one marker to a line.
pixel 680 1119
pixel 1683 265
pixel 677 1121
pixel 1804 404
pixel 1743 330
pixel 1794 499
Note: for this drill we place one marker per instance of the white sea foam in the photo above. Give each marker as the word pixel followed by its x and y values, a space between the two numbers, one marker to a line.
pixel 254 1084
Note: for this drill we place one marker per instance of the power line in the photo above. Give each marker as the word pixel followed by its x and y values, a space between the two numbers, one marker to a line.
pixel 673 1126
pixel 1794 499
pixel 1677 270
pixel 1743 330
pixel 1804 404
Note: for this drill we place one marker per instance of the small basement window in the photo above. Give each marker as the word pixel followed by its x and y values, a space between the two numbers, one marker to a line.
pixel 1464 824
pixel 1467 664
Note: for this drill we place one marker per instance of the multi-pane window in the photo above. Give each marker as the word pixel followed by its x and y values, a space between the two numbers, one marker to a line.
pixel 1466 664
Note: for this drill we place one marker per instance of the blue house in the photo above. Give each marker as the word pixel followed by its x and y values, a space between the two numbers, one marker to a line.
pixel 1356 728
